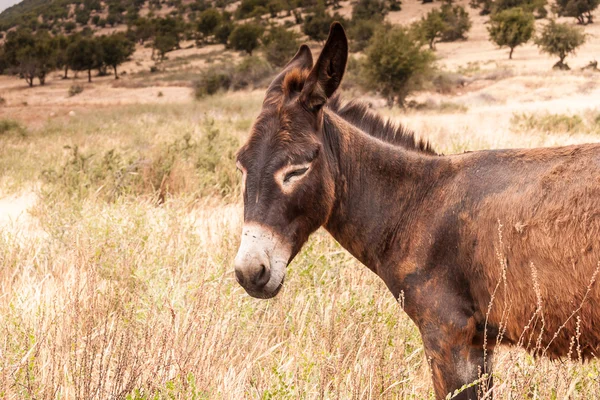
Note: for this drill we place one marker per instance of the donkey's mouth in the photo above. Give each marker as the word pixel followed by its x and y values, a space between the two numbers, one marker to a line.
pixel 265 294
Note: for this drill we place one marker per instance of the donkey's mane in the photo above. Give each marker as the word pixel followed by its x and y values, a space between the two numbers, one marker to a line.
pixel 358 114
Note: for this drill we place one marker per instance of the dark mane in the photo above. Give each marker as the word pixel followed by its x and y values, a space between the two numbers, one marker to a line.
pixel 358 114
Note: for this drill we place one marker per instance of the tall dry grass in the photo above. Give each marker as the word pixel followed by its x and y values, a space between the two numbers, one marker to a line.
pixel 119 284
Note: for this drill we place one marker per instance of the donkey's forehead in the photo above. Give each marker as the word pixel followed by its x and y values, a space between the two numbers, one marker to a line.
pixel 275 140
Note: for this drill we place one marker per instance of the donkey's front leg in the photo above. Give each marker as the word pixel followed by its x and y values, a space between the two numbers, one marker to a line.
pixel 456 360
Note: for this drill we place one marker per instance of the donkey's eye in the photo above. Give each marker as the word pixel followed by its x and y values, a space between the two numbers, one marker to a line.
pixel 294 174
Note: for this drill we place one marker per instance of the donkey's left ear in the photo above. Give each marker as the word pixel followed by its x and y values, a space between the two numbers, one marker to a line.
pixel 326 75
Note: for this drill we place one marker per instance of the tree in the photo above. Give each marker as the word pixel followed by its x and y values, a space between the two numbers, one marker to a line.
pixel 31 56
pixel 116 49
pixel 280 45
pixel 246 37
pixel 395 64
pixel 85 54
pixel 511 28
pixel 208 21
pixel 61 43
pixel 432 27
pixel 560 40
pixel 580 9
pixel 493 6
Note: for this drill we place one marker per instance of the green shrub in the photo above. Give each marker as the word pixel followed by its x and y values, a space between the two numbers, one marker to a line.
pixel 246 37
pixel 213 80
pixel 208 21
pixel 280 45
pixel 457 22
pixel 9 126
pixel 360 32
pixel 316 25
pixel 369 10
pixel 252 72
pixel 223 31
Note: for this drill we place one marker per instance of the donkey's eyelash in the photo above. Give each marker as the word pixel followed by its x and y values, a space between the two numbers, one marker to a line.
pixel 297 172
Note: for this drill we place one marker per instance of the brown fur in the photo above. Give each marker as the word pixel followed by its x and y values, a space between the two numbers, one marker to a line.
pixel 484 248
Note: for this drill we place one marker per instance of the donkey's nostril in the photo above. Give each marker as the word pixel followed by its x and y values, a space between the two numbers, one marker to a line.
pixel 262 277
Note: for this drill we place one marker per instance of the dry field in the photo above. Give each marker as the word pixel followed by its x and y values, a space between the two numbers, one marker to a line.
pixel 119 220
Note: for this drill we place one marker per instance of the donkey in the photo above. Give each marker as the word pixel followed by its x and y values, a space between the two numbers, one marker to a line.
pixel 483 248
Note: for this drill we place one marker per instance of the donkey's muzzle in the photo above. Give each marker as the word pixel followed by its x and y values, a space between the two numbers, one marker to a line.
pixel 261 260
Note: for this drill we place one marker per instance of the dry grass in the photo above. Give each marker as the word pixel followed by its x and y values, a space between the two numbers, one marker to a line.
pixel 118 297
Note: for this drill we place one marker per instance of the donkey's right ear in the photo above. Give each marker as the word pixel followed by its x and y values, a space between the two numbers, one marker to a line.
pixel 302 60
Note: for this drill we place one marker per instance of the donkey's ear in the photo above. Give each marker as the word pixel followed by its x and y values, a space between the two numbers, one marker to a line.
pixel 327 73
pixel 302 60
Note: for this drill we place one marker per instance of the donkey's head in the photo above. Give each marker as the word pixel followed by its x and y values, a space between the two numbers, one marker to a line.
pixel 288 181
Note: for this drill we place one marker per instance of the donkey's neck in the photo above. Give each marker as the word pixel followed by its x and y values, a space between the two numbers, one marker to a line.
pixel 379 188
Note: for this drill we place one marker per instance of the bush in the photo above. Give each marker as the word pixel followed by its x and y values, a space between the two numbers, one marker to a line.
pixel 361 33
pixel 395 64
pixel 457 22
pixel 280 45
pixel 249 8
pixel 560 40
pixel 212 81
pixel 511 28
pixel 74 90
pixel 222 32
pixel 252 72
pixel 70 26
pixel 316 25
pixel 208 21
pixel 246 37
pixel 9 126
pixel 369 10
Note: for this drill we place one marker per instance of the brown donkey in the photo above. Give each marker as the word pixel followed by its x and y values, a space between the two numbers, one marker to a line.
pixel 481 248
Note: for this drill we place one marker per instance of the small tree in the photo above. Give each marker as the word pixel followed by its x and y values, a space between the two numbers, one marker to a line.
pixel 432 27
pixel 208 21
pixel 395 64
pixel 511 28
pixel 85 54
pixel 280 45
pixel 580 9
pixel 560 40
pixel 246 37
pixel 116 49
